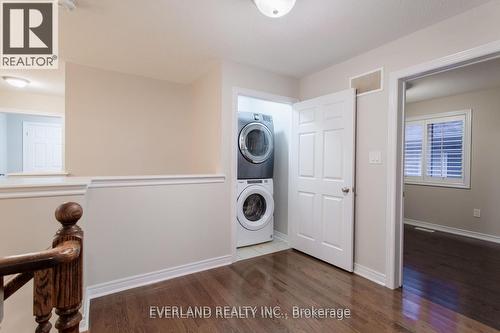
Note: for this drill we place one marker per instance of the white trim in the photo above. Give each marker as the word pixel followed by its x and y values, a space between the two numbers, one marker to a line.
pixel 280 236
pixel 140 280
pixel 38 188
pixel 394 209
pixel 381 69
pixel 263 96
pixel 369 274
pixel 38 174
pixel 30 187
pixel 133 181
pixel 58 192
pixel 452 230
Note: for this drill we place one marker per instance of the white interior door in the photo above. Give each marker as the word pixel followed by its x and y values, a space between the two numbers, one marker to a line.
pixel 42 147
pixel 322 162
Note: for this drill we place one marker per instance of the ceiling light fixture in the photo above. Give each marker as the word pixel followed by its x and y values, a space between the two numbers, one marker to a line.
pixel 16 81
pixel 275 8
pixel 68 4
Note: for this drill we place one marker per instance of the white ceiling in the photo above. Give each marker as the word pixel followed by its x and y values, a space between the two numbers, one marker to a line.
pixel 178 40
pixel 475 77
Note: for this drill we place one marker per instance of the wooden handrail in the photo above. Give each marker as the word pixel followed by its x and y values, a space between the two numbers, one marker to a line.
pixel 64 253
pixel 57 274
pixel 17 283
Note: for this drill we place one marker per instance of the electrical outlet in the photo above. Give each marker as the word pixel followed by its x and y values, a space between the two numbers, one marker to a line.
pixel 477 212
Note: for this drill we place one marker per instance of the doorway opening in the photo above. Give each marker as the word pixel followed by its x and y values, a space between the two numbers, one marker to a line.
pixel 314 163
pixel 32 117
pixel 262 147
pixel 395 152
pixel 451 237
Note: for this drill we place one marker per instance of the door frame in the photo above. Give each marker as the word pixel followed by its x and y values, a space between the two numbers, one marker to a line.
pixel 395 144
pixel 238 91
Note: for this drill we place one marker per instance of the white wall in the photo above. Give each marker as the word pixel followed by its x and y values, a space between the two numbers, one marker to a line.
pixel 3 143
pixel 454 207
pixel 473 28
pixel 281 114
pixel 137 230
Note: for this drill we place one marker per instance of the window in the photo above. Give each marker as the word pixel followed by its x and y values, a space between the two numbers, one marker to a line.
pixel 437 149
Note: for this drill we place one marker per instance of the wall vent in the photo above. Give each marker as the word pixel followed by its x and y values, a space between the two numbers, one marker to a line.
pixel 370 82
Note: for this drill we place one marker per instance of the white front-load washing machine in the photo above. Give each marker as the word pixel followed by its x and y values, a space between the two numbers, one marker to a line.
pixel 255 211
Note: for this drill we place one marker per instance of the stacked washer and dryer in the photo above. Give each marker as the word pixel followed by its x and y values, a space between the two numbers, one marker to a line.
pixel 255 207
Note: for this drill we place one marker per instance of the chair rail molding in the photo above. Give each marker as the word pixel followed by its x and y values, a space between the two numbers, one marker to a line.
pixel 132 181
pixel 33 187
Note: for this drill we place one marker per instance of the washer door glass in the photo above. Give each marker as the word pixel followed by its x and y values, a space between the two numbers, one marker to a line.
pixel 255 207
pixel 256 143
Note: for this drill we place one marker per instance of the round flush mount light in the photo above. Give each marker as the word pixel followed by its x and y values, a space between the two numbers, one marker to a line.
pixel 16 81
pixel 275 8
pixel 68 4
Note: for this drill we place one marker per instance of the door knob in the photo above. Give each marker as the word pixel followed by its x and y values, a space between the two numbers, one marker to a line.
pixel 346 190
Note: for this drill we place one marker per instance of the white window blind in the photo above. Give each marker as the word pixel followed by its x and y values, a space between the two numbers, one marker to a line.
pixel 413 149
pixel 437 149
pixel 445 149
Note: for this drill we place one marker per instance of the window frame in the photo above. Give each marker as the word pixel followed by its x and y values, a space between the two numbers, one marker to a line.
pixel 424 120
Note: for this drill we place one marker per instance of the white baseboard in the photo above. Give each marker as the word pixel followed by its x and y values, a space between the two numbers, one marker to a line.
pixel 281 236
pixel 369 274
pixel 116 286
pixel 360 270
pixel 455 231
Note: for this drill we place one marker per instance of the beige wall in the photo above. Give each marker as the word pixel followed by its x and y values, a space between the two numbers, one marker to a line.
pixel 120 124
pixel 473 28
pixel 454 207
pixel 206 126
pixel 32 103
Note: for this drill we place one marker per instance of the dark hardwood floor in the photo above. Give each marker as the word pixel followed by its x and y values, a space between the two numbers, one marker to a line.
pixel 284 279
pixel 459 273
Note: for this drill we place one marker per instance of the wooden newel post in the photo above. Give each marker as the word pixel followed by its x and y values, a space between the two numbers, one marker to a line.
pixel 68 277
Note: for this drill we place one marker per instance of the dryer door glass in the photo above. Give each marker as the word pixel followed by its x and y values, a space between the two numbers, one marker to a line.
pixel 256 143
pixel 254 207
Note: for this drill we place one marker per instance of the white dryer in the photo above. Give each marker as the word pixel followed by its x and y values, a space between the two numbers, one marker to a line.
pixel 255 211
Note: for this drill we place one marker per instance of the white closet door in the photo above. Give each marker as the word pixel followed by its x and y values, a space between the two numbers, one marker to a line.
pixel 322 162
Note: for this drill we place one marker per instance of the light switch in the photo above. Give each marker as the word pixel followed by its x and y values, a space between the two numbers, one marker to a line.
pixel 477 212
pixel 375 157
